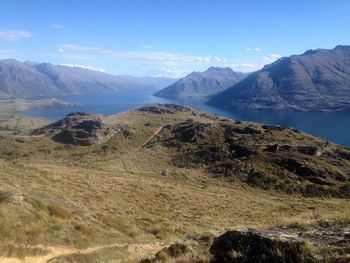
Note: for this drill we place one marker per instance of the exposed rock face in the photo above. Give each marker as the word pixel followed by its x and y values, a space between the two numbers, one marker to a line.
pixel 317 80
pixel 202 84
pixel 163 108
pixel 84 133
pixel 253 247
pixel 76 129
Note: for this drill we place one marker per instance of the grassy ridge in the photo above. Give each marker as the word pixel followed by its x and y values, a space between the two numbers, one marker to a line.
pixel 124 192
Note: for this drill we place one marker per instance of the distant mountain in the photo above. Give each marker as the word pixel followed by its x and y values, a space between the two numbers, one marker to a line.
pixel 30 79
pixel 318 80
pixel 202 84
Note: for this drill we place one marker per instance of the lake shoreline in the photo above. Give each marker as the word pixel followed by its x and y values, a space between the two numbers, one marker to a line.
pixel 332 126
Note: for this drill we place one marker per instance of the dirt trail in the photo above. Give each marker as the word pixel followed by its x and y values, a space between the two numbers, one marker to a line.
pixel 153 135
pixel 125 160
pixel 137 252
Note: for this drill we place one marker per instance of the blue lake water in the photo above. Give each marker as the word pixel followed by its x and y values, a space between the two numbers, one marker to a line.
pixel 333 126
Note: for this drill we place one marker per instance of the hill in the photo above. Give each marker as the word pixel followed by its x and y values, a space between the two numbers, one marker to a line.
pixel 30 79
pixel 317 80
pixel 202 84
pixel 95 188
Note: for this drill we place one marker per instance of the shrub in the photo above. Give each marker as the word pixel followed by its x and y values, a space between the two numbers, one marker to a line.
pixel 58 211
pixel 5 197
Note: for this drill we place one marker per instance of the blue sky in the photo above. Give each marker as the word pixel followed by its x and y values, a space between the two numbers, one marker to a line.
pixel 169 38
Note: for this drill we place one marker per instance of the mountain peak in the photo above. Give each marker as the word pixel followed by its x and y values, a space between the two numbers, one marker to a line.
pixel 342 47
pixel 317 80
pixel 202 84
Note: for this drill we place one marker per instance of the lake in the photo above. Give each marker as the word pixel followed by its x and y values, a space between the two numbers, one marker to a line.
pixel 333 126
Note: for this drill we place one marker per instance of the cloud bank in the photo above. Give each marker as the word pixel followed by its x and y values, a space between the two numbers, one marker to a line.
pixel 156 63
pixel 14 35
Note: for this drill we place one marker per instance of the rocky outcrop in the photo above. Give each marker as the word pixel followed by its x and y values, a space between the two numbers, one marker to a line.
pixel 84 133
pixel 163 108
pixel 266 156
pixel 77 129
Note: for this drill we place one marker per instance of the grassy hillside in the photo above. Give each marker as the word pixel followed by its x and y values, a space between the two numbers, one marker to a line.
pixel 155 176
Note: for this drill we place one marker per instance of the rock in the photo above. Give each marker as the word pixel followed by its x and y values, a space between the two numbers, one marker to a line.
pixel 299 168
pixel 239 151
pixel 274 127
pixel 163 108
pixel 254 247
pixel 310 150
pixel 83 133
pixel 174 251
pixel 272 148
pixel 69 120
pixel 344 154
pixel 246 130
pixel 189 131
pixel 78 128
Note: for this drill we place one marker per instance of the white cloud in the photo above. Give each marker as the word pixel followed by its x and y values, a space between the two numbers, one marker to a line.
pixel 151 62
pixel 78 48
pixel 7 54
pixel 271 58
pixel 84 66
pixel 147 46
pixel 217 59
pixel 56 26
pixel 256 49
pixel 14 35
pixel 253 66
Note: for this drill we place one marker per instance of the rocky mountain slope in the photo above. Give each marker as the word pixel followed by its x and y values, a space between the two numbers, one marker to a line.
pixel 28 79
pixel 202 84
pixel 266 156
pixel 94 188
pixel 317 80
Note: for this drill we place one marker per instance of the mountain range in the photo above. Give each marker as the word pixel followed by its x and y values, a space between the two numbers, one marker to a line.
pixel 30 79
pixel 318 80
pixel 202 84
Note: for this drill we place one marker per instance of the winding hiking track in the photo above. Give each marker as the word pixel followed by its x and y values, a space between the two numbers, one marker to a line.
pixel 137 252
pixel 153 135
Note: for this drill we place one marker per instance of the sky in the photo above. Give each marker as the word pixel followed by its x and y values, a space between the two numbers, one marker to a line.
pixel 170 37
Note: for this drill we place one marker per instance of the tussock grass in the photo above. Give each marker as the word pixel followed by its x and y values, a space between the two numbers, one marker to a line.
pixel 120 192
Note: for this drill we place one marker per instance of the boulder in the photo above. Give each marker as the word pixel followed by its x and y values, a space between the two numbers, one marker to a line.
pixel 254 247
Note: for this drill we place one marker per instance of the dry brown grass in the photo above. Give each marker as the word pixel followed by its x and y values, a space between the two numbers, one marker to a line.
pixel 123 193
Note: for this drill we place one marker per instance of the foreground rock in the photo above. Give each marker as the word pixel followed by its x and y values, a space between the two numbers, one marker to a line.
pixel 254 247
pixel 316 244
